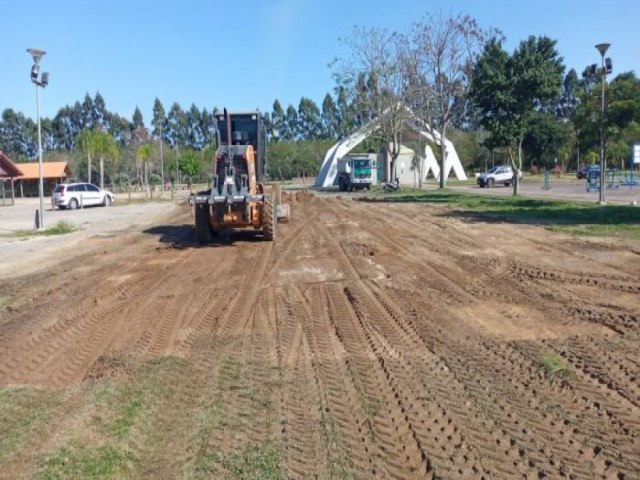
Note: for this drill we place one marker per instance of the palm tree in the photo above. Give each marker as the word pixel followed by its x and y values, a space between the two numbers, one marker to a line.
pixel 142 156
pixel 86 143
pixel 105 146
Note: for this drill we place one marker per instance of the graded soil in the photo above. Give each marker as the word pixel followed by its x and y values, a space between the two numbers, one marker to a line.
pixel 368 341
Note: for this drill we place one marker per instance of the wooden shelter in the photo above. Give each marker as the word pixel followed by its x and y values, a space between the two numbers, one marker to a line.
pixel 9 171
pixel 52 174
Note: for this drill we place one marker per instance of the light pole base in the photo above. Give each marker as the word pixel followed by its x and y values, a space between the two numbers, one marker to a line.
pixel 601 202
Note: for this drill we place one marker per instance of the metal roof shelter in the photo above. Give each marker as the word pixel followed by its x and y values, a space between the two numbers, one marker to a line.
pixel 9 171
pixel 329 169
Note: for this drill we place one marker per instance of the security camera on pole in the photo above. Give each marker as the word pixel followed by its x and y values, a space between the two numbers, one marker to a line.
pixel 43 81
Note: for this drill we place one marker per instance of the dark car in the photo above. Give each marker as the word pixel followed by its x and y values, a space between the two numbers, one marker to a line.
pixel 588 171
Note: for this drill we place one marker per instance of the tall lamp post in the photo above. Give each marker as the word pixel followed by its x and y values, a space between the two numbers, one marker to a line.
pixel 604 69
pixel 43 81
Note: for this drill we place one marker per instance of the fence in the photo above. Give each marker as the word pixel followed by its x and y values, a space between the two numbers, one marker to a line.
pixel 7 194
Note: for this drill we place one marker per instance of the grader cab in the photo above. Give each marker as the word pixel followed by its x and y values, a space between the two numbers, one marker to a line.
pixel 238 197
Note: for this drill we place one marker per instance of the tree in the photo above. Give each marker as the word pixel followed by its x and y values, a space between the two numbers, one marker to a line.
pixel 278 121
pixel 86 142
pixel 194 128
pixel 176 125
pixel 291 124
pixel 159 118
pixel 308 119
pixel 143 155
pixel 509 89
pixel 443 52
pixel 329 118
pixel 18 135
pixel 137 120
pixel 190 164
pixel 105 147
pixel 373 78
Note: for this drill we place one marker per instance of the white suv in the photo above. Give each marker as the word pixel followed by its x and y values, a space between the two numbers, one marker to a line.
pixel 74 195
pixel 501 174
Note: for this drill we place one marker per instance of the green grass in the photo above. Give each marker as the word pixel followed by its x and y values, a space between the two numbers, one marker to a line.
pixel 255 462
pixel 554 366
pixel 579 218
pixel 22 410
pixel 4 304
pixel 59 228
pixel 81 461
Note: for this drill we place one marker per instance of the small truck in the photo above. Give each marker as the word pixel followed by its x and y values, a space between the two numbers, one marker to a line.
pixel 354 173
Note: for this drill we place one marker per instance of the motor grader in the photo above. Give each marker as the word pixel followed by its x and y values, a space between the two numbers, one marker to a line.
pixel 238 197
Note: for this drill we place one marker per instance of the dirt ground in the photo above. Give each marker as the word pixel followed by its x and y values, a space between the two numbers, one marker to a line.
pixel 369 341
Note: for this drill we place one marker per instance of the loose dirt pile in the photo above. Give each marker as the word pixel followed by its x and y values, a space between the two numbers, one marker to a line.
pixel 368 341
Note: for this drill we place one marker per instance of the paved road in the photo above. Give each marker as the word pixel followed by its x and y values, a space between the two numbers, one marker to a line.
pixel 563 189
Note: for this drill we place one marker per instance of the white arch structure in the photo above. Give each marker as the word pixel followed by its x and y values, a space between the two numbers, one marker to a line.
pixel 329 169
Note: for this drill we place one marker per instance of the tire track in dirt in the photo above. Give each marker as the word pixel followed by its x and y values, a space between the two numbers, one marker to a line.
pixel 61 352
pixel 447 447
pixel 566 446
pixel 576 466
pixel 389 425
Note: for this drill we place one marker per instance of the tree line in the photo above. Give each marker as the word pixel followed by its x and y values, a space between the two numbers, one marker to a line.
pixel 444 71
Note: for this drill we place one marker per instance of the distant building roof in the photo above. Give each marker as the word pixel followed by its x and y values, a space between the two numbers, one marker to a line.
pixel 8 169
pixel 49 170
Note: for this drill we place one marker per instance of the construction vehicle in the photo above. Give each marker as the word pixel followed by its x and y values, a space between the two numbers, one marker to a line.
pixel 238 196
pixel 354 173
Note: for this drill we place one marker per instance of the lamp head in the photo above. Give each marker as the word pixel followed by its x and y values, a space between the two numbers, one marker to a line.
pixel 603 47
pixel 37 54
pixel 44 80
pixel 34 73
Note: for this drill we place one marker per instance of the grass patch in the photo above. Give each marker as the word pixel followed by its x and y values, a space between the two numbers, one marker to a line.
pixel 340 465
pixel 255 462
pixel 80 461
pixel 580 218
pixel 4 306
pixel 60 228
pixel 23 412
pixel 554 366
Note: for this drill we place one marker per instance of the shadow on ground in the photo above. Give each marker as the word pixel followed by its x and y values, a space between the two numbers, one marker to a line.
pixel 184 236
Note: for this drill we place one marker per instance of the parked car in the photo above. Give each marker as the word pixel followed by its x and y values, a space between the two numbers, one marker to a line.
pixel 588 170
pixel 500 174
pixel 74 195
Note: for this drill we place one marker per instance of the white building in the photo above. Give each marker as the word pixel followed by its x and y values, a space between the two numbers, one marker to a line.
pixel 406 164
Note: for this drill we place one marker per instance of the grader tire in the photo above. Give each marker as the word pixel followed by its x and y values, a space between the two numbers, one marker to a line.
pixel 204 232
pixel 269 220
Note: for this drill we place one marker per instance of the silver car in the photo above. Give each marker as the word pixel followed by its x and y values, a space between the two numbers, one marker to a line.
pixel 74 195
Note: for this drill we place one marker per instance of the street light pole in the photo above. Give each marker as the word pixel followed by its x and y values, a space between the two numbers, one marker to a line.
pixel 602 48
pixel 41 180
pixel 43 81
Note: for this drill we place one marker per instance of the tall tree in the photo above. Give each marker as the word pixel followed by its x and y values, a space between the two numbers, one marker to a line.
pixel 329 118
pixel 510 89
pixel 446 49
pixel 105 148
pixel 18 135
pixel 291 124
pixel 278 121
pixel 86 142
pixel 308 119
pixel 176 125
pixel 373 78
pixel 159 119
pixel 194 128
pixel 137 120
pixel 100 114
pixel 143 157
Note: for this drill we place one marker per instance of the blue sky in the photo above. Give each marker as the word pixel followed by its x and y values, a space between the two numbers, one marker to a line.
pixel 243 54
